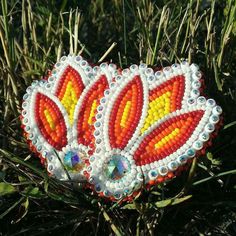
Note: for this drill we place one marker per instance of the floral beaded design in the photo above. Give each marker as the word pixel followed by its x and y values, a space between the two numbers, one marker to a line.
pixel 150 124
pixel 119 129
pixel 58 114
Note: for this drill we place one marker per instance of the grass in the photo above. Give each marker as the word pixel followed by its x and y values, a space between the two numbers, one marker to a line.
pixel 34 34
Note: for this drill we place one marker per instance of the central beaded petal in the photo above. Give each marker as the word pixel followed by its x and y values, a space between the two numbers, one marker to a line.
pixel 117 167
pixel 119 129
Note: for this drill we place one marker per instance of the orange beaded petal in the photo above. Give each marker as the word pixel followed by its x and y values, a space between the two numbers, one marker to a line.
pixel 126 113
pixel 167 138
pixel 88 109
pixel 50 121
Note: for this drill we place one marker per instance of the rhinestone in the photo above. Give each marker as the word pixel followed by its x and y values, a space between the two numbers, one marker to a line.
pixel 98 150
pixel 117 167
pixel 42 82
pixel 125 72
pixel 72 160
pixel 67 159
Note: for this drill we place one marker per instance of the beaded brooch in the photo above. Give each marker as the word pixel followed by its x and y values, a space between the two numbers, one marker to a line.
pixel 119 129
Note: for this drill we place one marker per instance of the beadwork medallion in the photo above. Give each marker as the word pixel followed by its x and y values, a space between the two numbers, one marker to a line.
pixel 119 129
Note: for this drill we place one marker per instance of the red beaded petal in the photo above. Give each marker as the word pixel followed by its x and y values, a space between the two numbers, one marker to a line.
pixel 167 137
pixel 88 110
pixel 69 88
pixel 126 113
pixel 50 121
